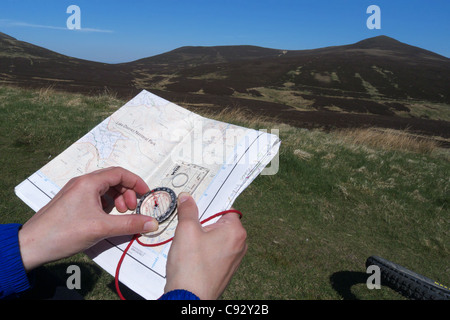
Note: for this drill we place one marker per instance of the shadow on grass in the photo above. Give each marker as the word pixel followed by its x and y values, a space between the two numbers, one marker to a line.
pixel 49 282
pixel 127 293
pixel 343 281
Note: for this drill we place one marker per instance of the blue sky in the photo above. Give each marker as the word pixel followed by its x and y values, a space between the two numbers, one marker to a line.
pixel 123 31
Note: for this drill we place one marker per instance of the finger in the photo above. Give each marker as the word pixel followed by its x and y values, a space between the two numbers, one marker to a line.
pixel 123 202
pixel 109 197
pixel 119 178
pixel 187 208
pixel 120 204
pixel 231 219
pixel 130 224
pixel 126 201
pixel 233 212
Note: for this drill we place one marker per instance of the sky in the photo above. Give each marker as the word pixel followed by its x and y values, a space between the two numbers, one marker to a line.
pixel 123 31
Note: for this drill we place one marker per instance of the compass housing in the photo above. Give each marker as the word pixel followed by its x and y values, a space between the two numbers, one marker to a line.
pixel 159 203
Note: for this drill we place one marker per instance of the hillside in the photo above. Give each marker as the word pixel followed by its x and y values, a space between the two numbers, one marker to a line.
pixel 27 65
pixel 375 82
pixel 186 57
pixel 379 67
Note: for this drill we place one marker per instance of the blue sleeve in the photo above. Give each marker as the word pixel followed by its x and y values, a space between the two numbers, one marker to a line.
pixel 179 295
pixel 13 277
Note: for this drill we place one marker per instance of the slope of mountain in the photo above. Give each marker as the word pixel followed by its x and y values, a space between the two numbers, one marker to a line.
pixel 186 57
pixel 380 67
pixel 371 82
pixel 25 64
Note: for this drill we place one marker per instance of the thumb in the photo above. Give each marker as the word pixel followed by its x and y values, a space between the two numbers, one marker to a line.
pixel 187 208
pixel 131 224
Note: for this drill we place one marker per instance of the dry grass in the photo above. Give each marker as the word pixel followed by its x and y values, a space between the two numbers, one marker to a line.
pixel 238 116
pixel 389 139
pixel 45 94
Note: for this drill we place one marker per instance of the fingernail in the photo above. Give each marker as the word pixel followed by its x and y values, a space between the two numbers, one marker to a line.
pixel 182 197
pixel 151 225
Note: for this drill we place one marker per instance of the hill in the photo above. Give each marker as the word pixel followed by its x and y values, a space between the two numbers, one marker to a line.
pixel 27 65
pixel 378 67
pixel 375 82
pixel 186 57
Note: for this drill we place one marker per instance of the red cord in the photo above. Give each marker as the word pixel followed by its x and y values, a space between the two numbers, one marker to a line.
pixel 136 236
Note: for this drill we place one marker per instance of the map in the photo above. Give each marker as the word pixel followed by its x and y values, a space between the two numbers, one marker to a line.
pixel 167 146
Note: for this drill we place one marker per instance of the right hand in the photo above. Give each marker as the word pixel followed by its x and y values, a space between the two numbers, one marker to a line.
pixel 202 260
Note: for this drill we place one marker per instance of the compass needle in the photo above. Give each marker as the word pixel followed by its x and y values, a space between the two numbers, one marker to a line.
pixel 160 203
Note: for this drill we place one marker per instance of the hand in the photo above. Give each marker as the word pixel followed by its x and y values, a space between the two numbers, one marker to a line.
pixel 75 218
pixel 202 260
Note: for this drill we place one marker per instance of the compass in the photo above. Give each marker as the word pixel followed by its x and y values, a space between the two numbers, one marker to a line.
pixel 159 203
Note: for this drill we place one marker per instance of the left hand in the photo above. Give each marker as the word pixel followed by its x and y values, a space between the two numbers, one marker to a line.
pixel 75 220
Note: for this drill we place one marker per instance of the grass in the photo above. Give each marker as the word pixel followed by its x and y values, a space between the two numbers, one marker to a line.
pixel 390 139
pixel 327 212
pixel 338 198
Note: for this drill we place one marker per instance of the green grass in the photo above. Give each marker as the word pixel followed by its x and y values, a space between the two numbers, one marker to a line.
pixel 326 214
pixel 310 227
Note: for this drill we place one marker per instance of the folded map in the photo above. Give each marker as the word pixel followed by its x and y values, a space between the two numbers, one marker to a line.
pixel 168 146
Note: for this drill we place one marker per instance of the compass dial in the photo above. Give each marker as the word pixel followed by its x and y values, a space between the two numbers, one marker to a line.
pixel 159 203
